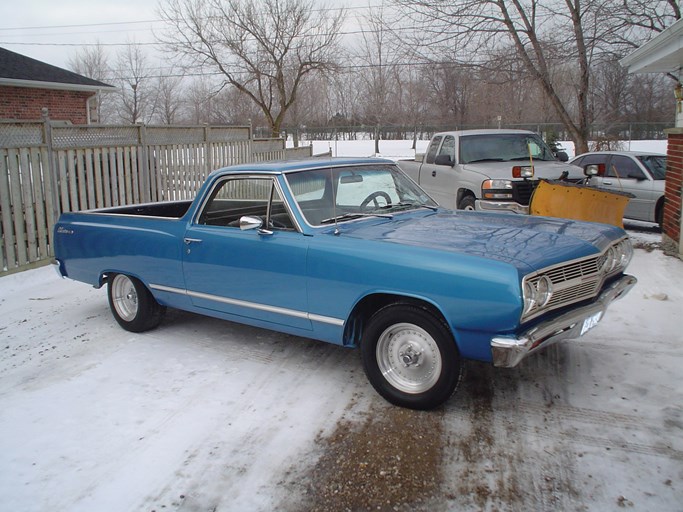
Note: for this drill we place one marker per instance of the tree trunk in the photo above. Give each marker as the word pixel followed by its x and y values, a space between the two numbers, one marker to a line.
pixel 377 139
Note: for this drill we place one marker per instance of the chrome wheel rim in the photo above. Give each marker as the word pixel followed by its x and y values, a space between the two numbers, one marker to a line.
pixel 408 358
pixel 124 297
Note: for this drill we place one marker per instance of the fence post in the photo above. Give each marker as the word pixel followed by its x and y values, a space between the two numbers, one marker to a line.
pixel 52 172
pixel 143 165
pixel 208 160
pixel 250 144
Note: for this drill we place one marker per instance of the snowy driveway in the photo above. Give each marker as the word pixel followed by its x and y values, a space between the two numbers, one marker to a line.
pixel 204 415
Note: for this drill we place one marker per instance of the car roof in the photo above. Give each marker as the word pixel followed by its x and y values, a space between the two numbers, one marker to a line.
pixel 285 166
pixel 623 153
pixel 486 131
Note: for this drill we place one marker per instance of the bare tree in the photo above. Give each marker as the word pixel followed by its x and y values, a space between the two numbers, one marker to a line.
pixel 168 101
pixel 199 99
pixel 414 93
pixel 378 59
pixel 344 100
pixel 544 34
pixel 93 62
pixel 264 48
pixel 135 93
pixel 454 86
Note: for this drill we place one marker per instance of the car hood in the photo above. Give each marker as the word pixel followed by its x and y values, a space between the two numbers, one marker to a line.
pixel 527 242
pixel 542 169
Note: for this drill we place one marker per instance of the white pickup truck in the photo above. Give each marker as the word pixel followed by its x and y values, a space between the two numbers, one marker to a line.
pixel 489 170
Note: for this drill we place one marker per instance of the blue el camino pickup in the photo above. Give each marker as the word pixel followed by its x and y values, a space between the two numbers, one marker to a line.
pixel 353 252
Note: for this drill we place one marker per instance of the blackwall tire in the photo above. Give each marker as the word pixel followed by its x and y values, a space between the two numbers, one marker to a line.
pixel 132 304
pixel 467 203
pixel 410 357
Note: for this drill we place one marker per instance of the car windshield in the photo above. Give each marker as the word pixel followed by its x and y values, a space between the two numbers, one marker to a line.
pixel 327 196
pixel 503 147
pixel 656 164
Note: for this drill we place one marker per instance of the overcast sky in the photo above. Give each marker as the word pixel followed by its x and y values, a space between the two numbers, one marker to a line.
pixel 57 29
pixel 53 31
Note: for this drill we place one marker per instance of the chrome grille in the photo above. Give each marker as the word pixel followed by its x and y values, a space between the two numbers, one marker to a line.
pixel 575 293
pixel 575 270
pixel 523 190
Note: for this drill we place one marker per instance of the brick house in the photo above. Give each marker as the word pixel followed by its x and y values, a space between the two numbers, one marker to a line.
pixel 28 86
pixel 664 54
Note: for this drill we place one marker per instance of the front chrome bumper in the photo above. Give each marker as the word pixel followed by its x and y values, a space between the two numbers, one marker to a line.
pixel 500 206
pixel 509 351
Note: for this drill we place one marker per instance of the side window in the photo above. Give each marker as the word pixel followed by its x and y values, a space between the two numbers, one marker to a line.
pixel 448 147
pixel 534 148
pixel 579 161
pixel 625 168
pixel 234 198
pixel 433 147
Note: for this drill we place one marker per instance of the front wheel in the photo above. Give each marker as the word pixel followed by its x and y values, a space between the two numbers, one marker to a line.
pixel 132 304
pixel 410 357
pixel 467 203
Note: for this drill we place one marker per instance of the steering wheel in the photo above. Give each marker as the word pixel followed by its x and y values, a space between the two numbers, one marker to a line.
pixel 373 197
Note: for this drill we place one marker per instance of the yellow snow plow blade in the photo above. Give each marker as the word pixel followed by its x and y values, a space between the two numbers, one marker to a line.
pixel 579 202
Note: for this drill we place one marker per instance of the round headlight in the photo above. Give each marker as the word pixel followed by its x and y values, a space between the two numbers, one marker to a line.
pixel 544 288
pixel 626 253
pixel 529 296
pixel 611 259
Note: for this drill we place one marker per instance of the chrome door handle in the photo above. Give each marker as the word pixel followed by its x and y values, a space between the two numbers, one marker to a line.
pixel 606 182
pixel 189 241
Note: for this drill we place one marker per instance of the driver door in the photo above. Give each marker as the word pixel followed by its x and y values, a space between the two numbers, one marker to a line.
pixel 441 181
pixel 254 273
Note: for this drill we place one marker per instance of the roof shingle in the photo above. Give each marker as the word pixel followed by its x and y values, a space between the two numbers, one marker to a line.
pixel 14 66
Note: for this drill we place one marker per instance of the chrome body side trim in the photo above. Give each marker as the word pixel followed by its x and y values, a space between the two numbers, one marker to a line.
pixel 252 305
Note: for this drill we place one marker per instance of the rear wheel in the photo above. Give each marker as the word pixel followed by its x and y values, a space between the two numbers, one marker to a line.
pixel 132 304
pixel 410 357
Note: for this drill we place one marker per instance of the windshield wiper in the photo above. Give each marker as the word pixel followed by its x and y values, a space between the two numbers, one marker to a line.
pixel 535 159
pixel 357 215
pixel 485 160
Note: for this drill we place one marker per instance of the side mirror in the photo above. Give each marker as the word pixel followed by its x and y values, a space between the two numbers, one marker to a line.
pixel 444 160
pixel 248 222
pixel 594 170
pixel 562 156
pixel 591 170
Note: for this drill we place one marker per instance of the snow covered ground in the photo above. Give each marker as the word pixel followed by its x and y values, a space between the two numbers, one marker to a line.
pixel 402 149
pixel 206 415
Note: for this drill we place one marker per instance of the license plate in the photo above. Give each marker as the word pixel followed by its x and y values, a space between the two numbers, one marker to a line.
pixel 590 322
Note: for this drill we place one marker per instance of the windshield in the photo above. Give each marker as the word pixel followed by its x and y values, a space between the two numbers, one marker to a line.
pixel 326 196
pixel 656 164
pixel 503 147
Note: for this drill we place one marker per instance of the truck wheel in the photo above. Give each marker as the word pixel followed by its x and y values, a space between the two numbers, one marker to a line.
pixel 659 215
pixel 467 203
pixel 132 304
pixel 410 357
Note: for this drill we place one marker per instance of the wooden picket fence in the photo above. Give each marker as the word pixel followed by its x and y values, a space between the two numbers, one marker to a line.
pixel 47 169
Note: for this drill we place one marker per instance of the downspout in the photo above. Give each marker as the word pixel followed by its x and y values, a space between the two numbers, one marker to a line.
pixel 87 106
